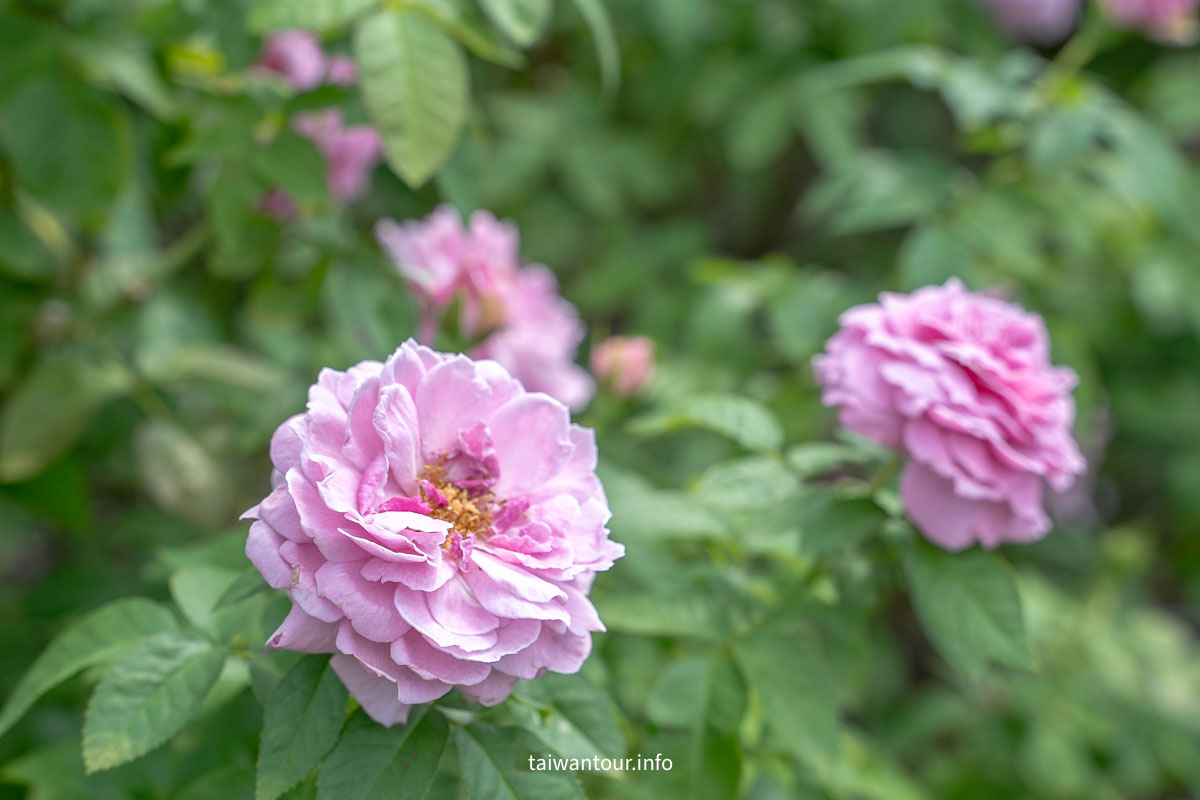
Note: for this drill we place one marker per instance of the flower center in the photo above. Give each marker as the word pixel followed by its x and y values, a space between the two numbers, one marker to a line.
pixel 468 509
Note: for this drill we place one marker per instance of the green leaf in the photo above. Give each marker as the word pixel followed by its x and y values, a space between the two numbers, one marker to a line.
pixel 495 766
pixel 146 697
pixel 180 475
pixel 465 24
pixel 316 15
pixel 523 21
pixel 300 724
pixel 371 761
pixel 196 589
pixel 414 84
pixel 129 69
pixel 785 668
pixel 747 484
pixel 696 691
pixel 245 586
pixel 96 639
pixel 643 512
pixel 211 362
pixel 969 606
pixel 744 420
pixel 51 409
pixel 817 458
pixel 650 614
pixel 596 17
pixel 828 523
pixel 579 722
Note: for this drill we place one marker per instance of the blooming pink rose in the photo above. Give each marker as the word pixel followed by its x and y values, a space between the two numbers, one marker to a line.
pixel 436 527
pixel 1170 21
pixel 625 362
pixel 515 310
pixel 962 384
pixel 351 152
pixel 297 56
pixel 1038 21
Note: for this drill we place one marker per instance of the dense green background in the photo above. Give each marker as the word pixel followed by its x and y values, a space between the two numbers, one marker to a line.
pixel 759 166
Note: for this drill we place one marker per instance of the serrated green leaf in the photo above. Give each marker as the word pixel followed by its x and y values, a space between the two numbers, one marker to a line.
pixel 828 522
pixel 301 723
pixel 747 484
pixel 642 512
pixel 414 84
pixel 608 53
pixel 372 761
pixel 51 409
pixel 699 690
pixel 315 15
pixel 969 605
pixel 495 766
pixel 523 21
pixel 817 458
pixel 786 670
pixel 196 589
pixel 146 697
pixel 97 638
pixel 580 721
pixel 747 422
pixel 663 615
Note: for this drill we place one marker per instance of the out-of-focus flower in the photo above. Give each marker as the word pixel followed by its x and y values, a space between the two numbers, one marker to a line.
pixel 515 311
pixel 297 56
pixel 1039 21
pixel 436 526
pixel 1169 21
pixel 962 384
pixel 342 71
pixel 624 362
pixel 351 152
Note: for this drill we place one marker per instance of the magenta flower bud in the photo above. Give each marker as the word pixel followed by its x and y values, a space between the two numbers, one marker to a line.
pixel 1042 22
pixel 297 56
pixel 626 363
pixel 1168 21
pixel 436 527
pixel 961 383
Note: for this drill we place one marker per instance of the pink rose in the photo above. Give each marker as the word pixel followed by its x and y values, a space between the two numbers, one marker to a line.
pixel 962 384
pixel 624 362
pixel 351 152
pixel 1170 21
pixel 515 310
pixel 297 56
pixel 1038 21
pixel 436 527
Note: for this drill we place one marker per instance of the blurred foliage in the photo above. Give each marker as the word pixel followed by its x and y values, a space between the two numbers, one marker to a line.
pixel 744 172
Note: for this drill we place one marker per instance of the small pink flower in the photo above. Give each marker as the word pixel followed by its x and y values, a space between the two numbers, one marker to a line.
pixel 342 71
pixel 515 310
pixel 1038 21
pixel 624 362
pixel 351 153
pixel 297 56
pixel 962 384
pixel 436 527
pixel 1169 21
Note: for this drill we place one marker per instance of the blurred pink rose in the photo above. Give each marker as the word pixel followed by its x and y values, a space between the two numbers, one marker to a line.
pixel 436 527
pixel 624 362
pixel 516 311
pixel 297 56
pixel 350 152
pixel 1037 21
pixel 962 384
pixel 1170 21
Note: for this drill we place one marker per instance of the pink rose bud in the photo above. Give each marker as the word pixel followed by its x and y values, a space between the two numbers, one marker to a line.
pixel 624 362
pixel 1038 21
pixel 297 56
pixel 525 323
pixel 962 384
pixel 436 527
pixel 1168 21
pixel 342 71
pixel 351 153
